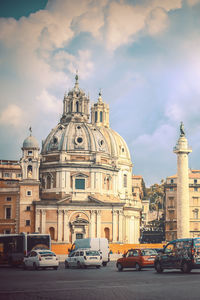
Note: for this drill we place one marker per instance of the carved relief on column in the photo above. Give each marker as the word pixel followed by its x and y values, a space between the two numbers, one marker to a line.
pixel 98 223
pixel 114 226
pixel 92 223
pixel 37 221
pixel 121 215
pixel 43 225
pixel 66 226
pixel 59 225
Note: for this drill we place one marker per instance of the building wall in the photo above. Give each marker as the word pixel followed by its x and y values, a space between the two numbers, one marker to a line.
pixel 171 205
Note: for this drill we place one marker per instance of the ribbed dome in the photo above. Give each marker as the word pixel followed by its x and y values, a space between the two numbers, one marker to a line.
pixel 77 136
pixel 30 143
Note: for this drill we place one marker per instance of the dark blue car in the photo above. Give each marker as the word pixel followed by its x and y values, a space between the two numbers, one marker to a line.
pixel 183 254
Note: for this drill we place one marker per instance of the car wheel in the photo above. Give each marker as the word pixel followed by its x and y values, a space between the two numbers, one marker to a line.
pixel 104 264
pixel 137 267
pixel 55 268
pixel 78 265
pixel 185 268
pixel 35 267
pixel 158 268
pixel 66 265
pixel 24 266
pixel 119 267
pixel 98 267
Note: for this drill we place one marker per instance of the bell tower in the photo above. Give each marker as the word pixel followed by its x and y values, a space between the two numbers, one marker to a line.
pixel 100 113
pixel 29 185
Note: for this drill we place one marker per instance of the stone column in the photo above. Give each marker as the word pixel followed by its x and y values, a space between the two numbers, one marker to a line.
pixel 59 225
pixel 43 223
pixel 66 226
pixel 183 212
pixel 98 223
pixel 92 224
pixel 37 221
pixel 114 226
pixel 121 226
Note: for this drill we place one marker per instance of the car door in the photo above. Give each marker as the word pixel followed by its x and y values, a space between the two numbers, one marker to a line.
pixel 70 259
pixel 168 259
pixel 129 259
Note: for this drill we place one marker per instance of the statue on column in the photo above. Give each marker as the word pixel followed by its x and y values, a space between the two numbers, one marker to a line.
pixel 182 130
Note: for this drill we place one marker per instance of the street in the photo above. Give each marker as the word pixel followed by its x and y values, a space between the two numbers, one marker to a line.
pixel 92 283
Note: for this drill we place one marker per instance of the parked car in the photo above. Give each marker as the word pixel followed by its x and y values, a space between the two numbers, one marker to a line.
pixel 83 258
pixel 183 254
pixel 99 244
pixel 137 258
pixel 41 259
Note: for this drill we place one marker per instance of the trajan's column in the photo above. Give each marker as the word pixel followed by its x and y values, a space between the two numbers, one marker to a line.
pixel 183 213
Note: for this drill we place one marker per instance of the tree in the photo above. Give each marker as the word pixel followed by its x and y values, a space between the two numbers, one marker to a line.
pixel 156 195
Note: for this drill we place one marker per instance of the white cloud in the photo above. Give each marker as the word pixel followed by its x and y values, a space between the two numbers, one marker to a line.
pixel 193 2
pixel 12 115
pixel 157 21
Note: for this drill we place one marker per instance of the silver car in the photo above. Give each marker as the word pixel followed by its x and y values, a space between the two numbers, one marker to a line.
pixel 84 258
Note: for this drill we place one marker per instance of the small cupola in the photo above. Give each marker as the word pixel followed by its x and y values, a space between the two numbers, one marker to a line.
pixel 100 113
pixel 75 105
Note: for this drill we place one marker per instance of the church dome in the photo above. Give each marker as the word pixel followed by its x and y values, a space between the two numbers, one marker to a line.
pixel 87 137
pixel 30 143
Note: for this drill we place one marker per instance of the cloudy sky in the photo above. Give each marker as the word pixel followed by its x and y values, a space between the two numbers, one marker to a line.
pixel 143 54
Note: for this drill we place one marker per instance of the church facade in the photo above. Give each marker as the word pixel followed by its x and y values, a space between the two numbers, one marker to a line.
pixel 80 185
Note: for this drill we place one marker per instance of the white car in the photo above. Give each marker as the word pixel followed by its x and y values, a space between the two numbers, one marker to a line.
pixel 41 259
pixel 83 258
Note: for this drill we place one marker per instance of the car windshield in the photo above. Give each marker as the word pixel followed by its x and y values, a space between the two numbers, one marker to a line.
pixel 47 253
pixel 92 253
pixel 146 252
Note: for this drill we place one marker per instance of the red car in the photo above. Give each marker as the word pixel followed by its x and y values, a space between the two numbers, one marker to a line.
pixel 137 258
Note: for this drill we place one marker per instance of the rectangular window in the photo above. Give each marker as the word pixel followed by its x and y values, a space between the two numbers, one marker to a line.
pixel 80 184
pixel 28 222
pixel 18 175
pixel 8 198
pixel 6 174
pixel 125 180
pixel 8 212
pixel 30 152
pixel 28 208
pixel 101 116
pixel 29 193
pixel 172 180
pixel 195 181
pixel 7 231
pixel 171 189
pixel 196 189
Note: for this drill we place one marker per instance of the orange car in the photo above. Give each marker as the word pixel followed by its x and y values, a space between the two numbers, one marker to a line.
pixel 137 258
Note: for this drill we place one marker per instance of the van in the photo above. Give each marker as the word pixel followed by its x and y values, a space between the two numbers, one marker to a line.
pixel 99 244
pixel 183 254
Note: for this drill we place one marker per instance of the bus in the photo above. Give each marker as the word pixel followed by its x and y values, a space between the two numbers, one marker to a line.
pixel 13 247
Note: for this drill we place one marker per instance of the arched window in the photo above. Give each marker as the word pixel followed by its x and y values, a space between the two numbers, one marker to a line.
pixel 77 106
pixel 52 233
pixel 71 106
pixel 108 183
pixel 107 233
pixel 48 182
pixel 29 171
pixel 95 116
pixel 101 116
pixel 125 180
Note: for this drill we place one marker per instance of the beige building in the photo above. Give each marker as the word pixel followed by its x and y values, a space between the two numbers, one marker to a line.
pixel 81 183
